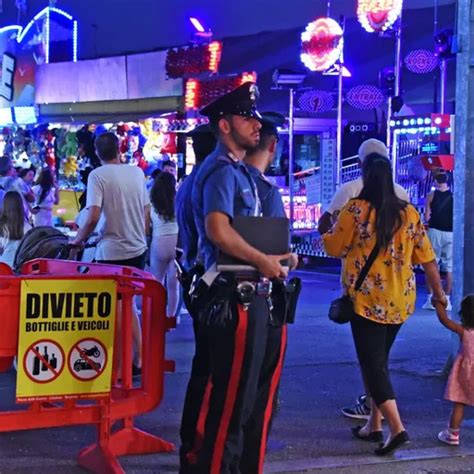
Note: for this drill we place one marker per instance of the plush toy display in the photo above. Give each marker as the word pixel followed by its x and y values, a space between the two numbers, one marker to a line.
pixel 68 150
pixel 70 167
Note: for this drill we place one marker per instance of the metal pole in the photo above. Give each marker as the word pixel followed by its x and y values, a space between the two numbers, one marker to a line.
pixel 396 92
pixel 463 226
pixel 443 78
pixel 291 178
pixel 339 126
pixel 398 53
pixel 329 9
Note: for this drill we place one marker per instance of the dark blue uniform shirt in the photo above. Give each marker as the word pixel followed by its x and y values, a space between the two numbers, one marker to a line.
pixel 222 184
pixel 188 234
pixel 270 197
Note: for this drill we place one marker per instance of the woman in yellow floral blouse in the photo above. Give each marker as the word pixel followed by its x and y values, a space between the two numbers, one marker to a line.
pixel 387 295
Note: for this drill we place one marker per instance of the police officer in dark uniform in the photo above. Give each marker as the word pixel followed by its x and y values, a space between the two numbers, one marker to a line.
pixel 258 161
pixel 204 143
pixel 232 427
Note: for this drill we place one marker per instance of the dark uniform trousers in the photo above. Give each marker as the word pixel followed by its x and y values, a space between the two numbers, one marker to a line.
pixel 195 392
pixel 233 422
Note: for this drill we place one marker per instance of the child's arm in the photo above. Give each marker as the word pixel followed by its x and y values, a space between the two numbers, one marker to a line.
pixel 443 317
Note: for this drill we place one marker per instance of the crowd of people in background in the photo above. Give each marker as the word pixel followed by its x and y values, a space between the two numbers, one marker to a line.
pixel 27 198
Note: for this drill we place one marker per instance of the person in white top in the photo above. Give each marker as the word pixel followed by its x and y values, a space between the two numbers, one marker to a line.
pixel 352 189
pixel 165 237
pixel 13 226
pixel 46 196
pixel 346 192
pixel 117 193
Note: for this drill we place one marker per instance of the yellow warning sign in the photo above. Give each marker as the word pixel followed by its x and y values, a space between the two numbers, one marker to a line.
pixel 66 339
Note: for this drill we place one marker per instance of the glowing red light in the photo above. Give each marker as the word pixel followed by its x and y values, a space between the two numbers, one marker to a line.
pixel 321 44
pixel 248 77
pixel 215 51
pixel 378 15
pixel 191 95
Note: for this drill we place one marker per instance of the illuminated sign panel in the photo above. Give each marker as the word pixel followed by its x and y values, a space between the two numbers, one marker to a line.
pixel 6 83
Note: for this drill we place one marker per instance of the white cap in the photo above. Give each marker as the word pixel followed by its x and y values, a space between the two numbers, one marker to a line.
pixel 372 145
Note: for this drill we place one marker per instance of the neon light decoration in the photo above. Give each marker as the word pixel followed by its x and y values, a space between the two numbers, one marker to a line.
pixel 191 94
pixel 421 61
pixel 316 101
pixel 46 12
pixel 215 50
pixel 11 28
pixel 365 97
pixel 74 52
pixel 47 35
pixel 199 93
pixel 248 77
pixel 195 60
pixel 378 15
pixel 321 44
pixel 197 24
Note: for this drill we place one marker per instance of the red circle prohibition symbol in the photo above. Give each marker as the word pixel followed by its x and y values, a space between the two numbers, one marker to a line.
pixel 42 361
pixel 84 360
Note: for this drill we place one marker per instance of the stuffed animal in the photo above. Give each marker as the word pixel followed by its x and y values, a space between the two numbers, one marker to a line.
pixel 69 146
pixel 70 166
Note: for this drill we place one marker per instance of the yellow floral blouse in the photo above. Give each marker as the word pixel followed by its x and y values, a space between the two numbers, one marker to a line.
pixel 388 293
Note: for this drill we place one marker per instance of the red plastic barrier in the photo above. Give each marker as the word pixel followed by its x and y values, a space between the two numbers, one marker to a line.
pixel 9 317
pixel 71 267
pixel 125 401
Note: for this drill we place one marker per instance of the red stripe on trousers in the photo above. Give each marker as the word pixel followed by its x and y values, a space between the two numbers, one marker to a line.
pixel 192 456
pixel 273 386
pixel 232 388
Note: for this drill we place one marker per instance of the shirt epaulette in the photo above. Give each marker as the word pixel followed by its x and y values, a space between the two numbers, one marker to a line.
pixel 225 159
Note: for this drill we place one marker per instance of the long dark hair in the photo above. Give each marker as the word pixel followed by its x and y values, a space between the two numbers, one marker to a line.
pixel 12 218
pixel 379 191
pixel 162 195
pixel 46 181
pixel 467 311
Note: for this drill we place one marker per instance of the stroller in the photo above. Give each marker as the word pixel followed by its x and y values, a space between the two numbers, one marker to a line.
pixel 42 242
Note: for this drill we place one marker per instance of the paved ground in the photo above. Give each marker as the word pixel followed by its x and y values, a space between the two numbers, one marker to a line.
pixel 309 434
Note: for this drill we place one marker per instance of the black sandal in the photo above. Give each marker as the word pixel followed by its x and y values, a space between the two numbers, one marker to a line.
pixel 398 441
pixel 375 436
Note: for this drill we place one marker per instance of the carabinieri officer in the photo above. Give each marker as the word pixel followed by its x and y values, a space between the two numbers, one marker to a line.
pixel 232 432
pixel 260 158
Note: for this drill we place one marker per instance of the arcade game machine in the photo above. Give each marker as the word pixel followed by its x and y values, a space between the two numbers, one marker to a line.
pixel 421 145
pixel 314 171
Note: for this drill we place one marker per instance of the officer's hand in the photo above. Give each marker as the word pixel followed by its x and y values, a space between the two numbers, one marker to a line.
pixel 270 266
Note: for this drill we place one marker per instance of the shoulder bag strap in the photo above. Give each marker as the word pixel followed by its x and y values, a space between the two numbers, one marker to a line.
pixel 368 264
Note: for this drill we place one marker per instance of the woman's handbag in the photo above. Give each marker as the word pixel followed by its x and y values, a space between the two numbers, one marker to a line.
pixel 341 310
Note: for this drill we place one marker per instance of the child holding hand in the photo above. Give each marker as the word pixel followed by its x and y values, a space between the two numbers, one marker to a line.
pixel 460 387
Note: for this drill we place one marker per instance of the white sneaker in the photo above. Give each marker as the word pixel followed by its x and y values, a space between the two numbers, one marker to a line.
pixel 449 437
pixel 450 306
pixel 428 304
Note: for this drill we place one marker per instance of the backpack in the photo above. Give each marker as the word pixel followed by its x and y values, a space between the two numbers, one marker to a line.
pixel 41 242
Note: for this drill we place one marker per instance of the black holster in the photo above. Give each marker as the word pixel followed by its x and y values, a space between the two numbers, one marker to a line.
pixel 284 299
pixel 193 288
pixel 219 304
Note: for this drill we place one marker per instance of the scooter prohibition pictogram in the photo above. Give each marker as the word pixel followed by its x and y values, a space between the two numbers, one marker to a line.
pixel 43 361
pixel 87 359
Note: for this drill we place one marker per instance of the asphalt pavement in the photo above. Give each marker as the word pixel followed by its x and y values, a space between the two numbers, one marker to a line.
pixel 309 433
